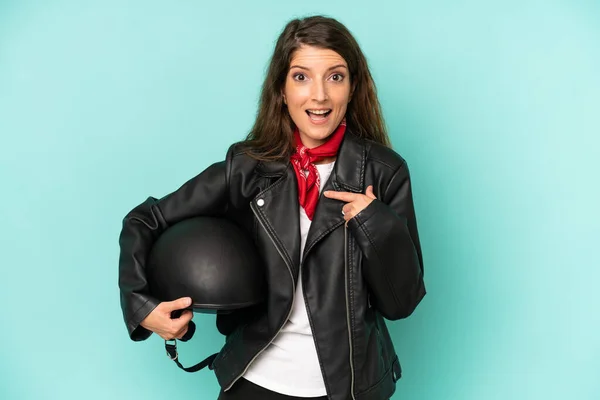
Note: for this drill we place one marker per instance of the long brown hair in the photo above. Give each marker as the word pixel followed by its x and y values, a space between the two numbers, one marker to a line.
pixel 271 137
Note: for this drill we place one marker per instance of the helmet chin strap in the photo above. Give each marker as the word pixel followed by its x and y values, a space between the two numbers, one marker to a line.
pixel 171 348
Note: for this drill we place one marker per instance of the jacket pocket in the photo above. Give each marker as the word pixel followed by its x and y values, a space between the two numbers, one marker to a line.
pixel 384 388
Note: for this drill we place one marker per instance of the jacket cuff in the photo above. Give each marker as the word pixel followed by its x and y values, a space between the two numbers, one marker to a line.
pixel 137 332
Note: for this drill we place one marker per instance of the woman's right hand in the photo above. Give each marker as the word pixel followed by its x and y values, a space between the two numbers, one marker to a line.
pixel 160 322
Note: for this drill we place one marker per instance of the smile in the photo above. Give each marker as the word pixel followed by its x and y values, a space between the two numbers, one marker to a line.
pixel 318 116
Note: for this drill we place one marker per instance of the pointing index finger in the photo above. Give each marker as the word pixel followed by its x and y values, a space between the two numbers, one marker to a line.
pixel 343 196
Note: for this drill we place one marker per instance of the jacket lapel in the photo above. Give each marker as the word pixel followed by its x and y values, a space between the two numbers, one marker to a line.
pixel 279 210
pixel 348 176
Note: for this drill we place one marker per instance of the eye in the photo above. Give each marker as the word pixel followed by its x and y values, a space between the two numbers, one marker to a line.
pixel 299 77
pixel 339 77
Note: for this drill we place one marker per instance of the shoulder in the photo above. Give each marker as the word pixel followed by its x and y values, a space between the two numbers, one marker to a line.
pixel 238 158
pixel 237 150
pixel 385 157
pixel 242 166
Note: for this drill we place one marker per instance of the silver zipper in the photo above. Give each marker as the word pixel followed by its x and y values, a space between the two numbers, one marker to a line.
pixel 291 308
pixel 348 310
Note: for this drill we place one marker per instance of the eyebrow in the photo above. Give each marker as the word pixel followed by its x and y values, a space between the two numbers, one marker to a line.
pixel 328 69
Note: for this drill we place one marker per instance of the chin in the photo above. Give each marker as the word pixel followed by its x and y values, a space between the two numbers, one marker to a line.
pixel 320 135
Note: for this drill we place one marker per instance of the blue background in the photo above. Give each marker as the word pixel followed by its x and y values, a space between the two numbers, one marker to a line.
pixel 494 104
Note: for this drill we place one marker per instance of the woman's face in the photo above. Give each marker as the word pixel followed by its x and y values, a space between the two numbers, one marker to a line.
pixel 317 92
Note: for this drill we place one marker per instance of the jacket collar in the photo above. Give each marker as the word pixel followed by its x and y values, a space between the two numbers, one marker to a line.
pixel 348 173
pixel 349 169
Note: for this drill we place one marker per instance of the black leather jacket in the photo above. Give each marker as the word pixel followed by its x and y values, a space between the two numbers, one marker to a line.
pixel 354 274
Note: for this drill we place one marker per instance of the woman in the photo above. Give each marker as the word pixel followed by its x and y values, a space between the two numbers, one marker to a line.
pixel 329 205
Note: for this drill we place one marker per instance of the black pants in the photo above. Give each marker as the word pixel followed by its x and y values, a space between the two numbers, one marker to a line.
pixel 245 390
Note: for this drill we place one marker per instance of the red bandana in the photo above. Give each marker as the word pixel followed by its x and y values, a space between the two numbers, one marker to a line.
pixel 303 161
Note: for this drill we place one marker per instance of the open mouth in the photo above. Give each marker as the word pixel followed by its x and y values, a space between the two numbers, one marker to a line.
pixel 318 115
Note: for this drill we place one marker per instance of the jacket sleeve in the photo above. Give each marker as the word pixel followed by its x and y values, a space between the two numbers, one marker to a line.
pixel 205 194
pixel 386 231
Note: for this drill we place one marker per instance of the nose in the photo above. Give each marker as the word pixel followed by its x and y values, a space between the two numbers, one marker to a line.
pixel 319 91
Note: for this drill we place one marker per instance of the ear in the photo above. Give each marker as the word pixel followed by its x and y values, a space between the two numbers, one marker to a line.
pixel 284 99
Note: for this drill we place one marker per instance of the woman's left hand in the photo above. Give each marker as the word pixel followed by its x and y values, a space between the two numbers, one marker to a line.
pixel 355 202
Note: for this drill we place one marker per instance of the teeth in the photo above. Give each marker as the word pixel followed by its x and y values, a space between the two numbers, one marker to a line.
pixel 318 112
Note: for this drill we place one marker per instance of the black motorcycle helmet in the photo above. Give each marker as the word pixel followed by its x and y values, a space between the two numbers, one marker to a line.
pixel 212 261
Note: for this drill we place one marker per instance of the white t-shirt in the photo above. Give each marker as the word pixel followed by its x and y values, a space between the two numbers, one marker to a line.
pixel 290 365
